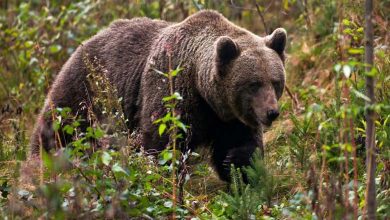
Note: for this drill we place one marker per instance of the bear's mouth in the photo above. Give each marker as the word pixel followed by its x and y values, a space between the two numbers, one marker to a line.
pixel 255 122
pixel 266 122
pixel 250 122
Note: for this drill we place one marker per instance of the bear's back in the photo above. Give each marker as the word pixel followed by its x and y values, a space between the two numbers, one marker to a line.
pixel 125 52
pixel 120 52
pixel 124 39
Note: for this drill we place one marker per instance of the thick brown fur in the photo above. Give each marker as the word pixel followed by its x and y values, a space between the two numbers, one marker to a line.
pixel 231 81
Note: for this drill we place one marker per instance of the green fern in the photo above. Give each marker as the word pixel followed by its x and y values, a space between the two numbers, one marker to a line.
pixel 261 179
pixel 244 201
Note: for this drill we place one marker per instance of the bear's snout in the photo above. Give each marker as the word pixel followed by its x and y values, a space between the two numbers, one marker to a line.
pixel 272 114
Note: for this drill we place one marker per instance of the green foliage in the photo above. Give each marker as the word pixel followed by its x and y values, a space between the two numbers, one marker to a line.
pixel 171 120
pixel 260 178
pixel 242 202
pixel 84 180
pixel 105 184
pixel 250 201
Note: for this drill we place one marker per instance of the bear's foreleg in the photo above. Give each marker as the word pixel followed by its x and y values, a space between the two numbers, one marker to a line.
pixel 239 155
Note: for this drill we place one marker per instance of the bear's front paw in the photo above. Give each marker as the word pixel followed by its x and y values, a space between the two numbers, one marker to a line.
pixel 239 157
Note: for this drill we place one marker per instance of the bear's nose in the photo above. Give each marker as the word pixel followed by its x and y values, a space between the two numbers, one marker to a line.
pixel 272 114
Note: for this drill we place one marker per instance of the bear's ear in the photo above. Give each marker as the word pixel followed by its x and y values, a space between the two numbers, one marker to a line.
pixel 277 41
pixel 226 51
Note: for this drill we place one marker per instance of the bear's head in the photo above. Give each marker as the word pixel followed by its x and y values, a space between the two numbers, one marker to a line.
pixel 249 75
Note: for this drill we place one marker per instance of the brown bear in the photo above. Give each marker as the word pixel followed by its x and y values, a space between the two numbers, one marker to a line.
pixel 230 83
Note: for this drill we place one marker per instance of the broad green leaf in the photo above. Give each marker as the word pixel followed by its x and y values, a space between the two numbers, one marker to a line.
pixel 55 48
pixel 28 44
pixel 361 95
pixel 177 96
pixel 176 71
pixel 56 125
pixel 347 71
pixel 106 158
pixel 99 133
pixel 347 147
pixel 372 72
pixel 348 31
pixel 168 204
pixel 346 22
pixel 182 126
pixel 285 4
pixel 337 67
pixel 325 147
pixel 167 155
pixel 47 160
pixel 336 159
pixel 68 129
pixel 195 154
pixel 168 98
pixel 75 124
pixel 356 51
pixel 161 129
pixel 116 168
pixel 161 73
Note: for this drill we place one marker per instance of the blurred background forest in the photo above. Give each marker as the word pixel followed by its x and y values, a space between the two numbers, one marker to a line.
pixel 315 160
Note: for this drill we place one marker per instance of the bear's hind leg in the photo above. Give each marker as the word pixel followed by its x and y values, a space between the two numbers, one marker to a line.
pixel 44 135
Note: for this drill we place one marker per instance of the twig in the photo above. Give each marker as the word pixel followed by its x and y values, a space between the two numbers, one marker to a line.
pixel 314 176
pixel 234 5
pixel 196 5
pixel 355 171
pixel 321 181
pixel 346 153
pixel 293 98
pixel 173 140
pixel 370 205
pixel 305 7
pixel 88 180
pixel 261 16
pixel 338 93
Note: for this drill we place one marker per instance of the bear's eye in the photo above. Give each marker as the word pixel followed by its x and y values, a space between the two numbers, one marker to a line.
pixel 254 87
pixel 278 88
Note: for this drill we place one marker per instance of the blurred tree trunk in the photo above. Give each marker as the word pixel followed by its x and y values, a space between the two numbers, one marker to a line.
pixel 161 5
pixel 370 117
pixel 5 5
